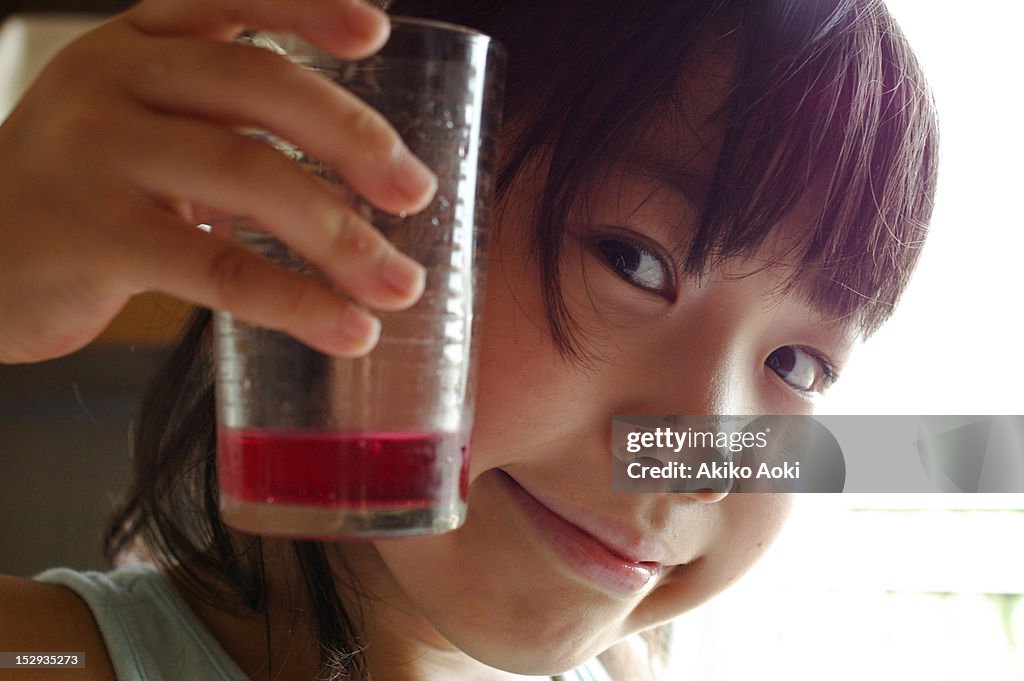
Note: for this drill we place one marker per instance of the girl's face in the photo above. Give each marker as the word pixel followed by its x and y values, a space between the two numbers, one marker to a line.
pixel 551 567
pixel 528 583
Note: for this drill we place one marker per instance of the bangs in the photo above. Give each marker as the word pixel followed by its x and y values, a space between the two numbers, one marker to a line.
pixel 846 121
pixel 826 102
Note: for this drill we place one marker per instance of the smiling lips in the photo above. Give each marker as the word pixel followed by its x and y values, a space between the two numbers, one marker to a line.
pixel 609 568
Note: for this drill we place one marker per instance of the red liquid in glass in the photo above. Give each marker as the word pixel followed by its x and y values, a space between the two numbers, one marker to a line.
pixel 332 470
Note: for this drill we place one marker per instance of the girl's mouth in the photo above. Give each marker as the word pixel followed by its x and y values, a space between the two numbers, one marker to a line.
pixel 583 553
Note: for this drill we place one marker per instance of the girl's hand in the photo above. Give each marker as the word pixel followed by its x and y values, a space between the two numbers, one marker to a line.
pixel 134 123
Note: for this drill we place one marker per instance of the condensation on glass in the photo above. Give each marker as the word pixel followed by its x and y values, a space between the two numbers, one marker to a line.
pixel 317 447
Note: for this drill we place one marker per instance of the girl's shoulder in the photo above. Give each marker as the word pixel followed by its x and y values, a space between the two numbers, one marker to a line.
pixel 48 618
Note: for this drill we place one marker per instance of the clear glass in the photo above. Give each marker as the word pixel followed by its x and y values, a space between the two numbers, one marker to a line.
pixel 317 447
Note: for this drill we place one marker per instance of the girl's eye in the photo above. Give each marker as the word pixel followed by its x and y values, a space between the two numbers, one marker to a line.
pixel 637 264
pixel 803 369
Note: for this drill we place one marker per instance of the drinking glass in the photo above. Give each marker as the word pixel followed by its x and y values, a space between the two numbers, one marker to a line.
pixel 317 447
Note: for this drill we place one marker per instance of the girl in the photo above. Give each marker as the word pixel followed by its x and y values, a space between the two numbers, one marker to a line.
pixel 702 205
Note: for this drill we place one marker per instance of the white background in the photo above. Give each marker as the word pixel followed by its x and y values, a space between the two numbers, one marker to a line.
pixel 954 345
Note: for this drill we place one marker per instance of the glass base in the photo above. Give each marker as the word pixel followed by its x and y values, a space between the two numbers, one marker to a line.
pixel 318 523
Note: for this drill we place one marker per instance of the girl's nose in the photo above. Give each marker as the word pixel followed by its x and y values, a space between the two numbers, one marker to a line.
pixel 713 375
pixel 706 497
pixel 708 379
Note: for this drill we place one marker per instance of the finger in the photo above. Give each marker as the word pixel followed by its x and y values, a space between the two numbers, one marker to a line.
pixel 243 85
pixel 164 254
pixel 242 176
pixel 348 28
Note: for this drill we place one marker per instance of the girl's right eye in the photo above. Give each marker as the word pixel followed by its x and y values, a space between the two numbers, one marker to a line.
pixel 638 264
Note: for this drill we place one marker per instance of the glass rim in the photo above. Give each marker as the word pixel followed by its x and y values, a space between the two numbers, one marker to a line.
pixel 435 24
pixel 290 44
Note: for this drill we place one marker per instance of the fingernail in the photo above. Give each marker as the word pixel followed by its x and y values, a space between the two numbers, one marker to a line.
pixel 365 20
pixel 402 274
pixel 413 178
pixel 358 327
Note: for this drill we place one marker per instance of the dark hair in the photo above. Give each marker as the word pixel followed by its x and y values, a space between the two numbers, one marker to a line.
pixel 823 89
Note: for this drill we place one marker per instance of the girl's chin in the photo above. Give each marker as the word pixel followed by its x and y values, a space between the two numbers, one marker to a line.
pixel 486 592
pixel 530 653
